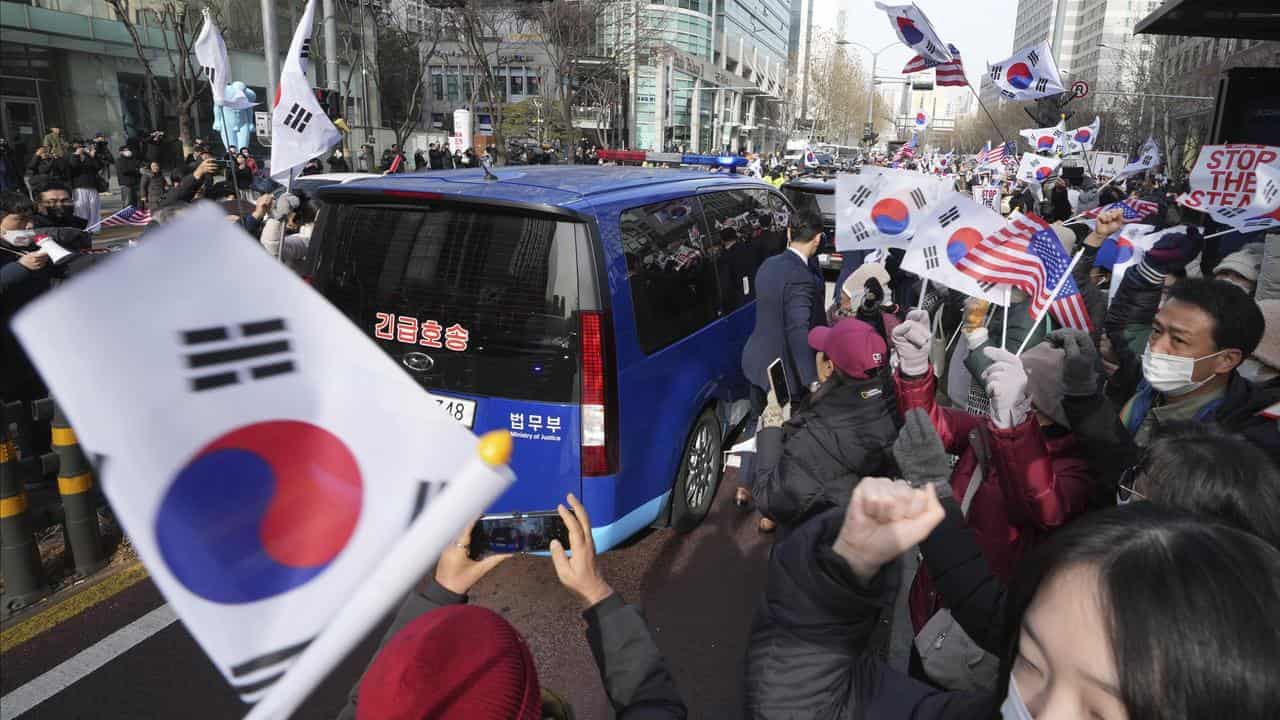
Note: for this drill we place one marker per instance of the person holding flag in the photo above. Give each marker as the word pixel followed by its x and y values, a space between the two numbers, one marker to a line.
pixel 300 130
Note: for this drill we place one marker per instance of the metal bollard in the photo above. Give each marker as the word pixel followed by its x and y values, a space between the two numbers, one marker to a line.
pixel 19 556
pixel 75 481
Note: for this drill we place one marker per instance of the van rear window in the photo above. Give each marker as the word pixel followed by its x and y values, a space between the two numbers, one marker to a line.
pixel 489 298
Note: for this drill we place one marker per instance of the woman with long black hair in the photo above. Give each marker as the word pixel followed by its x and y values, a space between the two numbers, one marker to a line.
pixel 1135 613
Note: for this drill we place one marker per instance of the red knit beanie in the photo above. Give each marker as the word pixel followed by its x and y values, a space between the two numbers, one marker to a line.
pixel 460 662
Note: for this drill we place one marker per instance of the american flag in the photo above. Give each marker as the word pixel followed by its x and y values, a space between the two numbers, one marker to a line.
pixel 1134 210
pixel 999 152
pixel 981 157
pixel 128 216
pixel 948 73
pixel 907 151
pixel 1027 254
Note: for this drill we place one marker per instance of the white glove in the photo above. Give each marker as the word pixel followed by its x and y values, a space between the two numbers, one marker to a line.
pixel 285 204
pixel 976 338
pixel 1006 382
pixel 913 341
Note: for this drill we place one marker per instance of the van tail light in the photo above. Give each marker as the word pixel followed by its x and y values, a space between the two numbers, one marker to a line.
pixel 599 446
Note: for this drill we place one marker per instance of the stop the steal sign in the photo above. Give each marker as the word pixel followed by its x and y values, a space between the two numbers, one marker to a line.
pixel 1225 176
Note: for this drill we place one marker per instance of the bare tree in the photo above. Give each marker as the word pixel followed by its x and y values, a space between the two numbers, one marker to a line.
pixel 178 23
pixel 482 31
pixel 402 56
pixel 587 51
pixel 838 94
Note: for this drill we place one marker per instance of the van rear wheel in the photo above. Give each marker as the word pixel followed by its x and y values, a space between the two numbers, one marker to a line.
pixel 699 474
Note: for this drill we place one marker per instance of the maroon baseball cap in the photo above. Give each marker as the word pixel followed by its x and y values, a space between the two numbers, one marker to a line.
pixel 852 345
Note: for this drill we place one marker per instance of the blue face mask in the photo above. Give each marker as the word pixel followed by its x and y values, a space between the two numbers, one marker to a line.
pixel 1013 707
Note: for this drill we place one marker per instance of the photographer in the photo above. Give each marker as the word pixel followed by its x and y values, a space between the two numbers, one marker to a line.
pixel 195 184
pixel 84 165
pixel 442 658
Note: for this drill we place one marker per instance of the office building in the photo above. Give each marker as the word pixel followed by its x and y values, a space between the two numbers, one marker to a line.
pixel 72 64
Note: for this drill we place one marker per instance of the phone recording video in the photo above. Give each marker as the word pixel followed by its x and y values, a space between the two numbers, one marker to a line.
pixel 517 533
pixel 778 381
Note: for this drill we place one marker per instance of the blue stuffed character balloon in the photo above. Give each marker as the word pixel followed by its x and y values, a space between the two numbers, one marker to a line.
pixel 235 126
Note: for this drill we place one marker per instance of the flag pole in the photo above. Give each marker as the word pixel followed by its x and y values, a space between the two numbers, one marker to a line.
pixel 924 290
pixel 1062 281
pixel 1221 232
pixel 1004 329
pixel 401 567
pixel 985 110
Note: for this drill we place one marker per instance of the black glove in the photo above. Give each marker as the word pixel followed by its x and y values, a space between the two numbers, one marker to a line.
pixel 1082 366
pixel 920 455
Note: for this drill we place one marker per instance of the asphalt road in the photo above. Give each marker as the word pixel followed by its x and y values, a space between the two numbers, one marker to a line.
pixel 698 592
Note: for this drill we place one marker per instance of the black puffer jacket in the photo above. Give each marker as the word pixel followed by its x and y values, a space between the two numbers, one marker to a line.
pixel 844 433
pixel 809 637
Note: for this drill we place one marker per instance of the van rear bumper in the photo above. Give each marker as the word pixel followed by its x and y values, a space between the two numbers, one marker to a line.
pixel 615 533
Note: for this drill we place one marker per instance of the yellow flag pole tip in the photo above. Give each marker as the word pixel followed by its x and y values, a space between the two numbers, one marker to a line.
pixel 495 447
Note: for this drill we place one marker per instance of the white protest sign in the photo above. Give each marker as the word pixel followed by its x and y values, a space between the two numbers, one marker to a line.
pixel 987 196
pixel 1224 180
pixel 457 143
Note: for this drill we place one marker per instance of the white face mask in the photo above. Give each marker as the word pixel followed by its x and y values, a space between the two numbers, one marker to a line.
pixel 1173 374
pixel 19 238
pixel 1256 372
pixel 126 153
pixel 1013 707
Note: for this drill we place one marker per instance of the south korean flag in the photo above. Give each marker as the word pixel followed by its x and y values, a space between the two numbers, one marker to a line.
pixel 264 497
pixel 881 207
pixel 1035 169
pixel 953 228
pixel 916 32
pixel 1031 73
pixel 299 128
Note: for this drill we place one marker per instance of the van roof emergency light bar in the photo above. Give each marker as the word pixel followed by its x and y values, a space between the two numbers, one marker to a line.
pixel 732 162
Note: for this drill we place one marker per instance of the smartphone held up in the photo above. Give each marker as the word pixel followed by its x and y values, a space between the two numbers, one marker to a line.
pixel 517 533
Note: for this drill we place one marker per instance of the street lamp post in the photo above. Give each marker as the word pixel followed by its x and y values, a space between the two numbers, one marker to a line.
pixel 875 57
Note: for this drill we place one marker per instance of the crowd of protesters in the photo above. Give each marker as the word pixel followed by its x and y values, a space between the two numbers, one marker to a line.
pixel 1087 528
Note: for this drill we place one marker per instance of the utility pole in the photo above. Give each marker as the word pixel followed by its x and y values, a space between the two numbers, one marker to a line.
pixel 632 135
pixel 330 45
pixel 270 51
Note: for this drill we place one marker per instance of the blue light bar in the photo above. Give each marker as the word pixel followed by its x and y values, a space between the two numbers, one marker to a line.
pixel 732 161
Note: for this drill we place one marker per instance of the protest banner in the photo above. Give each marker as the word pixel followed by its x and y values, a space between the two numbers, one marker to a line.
pixel 1224 181
pixel 987 196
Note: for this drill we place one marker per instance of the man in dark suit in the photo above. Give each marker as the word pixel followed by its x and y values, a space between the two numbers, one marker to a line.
pixel 789 302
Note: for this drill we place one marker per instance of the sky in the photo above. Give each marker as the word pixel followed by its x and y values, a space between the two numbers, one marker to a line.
pixel 982 30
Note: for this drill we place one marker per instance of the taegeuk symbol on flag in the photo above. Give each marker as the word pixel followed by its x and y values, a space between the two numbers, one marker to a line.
pixel 916 32
pixel 881 207
pixel 1037 168
pixel 1031 73
pixel 263 497
pixel 951 229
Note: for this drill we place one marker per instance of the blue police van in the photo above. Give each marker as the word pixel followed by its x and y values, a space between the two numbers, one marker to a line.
pixel 597 313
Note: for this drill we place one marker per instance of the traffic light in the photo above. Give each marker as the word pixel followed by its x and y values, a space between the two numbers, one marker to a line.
pixel 331 101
